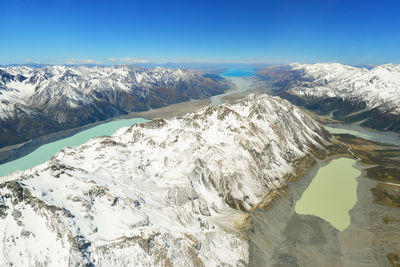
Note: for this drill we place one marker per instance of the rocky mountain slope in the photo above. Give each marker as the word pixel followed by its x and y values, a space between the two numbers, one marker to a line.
pixel 36 101
pixel 371 96
pixel 166 193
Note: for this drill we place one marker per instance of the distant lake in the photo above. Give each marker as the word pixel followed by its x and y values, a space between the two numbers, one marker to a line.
pixel 357 130
pixel 238 72
pixel 45 152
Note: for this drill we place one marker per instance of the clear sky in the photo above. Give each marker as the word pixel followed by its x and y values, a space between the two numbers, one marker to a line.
pixel 116 31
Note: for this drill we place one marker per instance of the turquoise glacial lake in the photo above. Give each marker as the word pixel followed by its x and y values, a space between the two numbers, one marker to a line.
pixel 45 152
pixel 238 72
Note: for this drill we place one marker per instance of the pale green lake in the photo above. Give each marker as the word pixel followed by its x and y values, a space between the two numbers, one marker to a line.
pixel 332 193
pixel 45 152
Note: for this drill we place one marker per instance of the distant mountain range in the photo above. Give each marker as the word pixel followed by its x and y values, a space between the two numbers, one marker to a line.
pixel 370 96
pixel 152 65
pixel 37 101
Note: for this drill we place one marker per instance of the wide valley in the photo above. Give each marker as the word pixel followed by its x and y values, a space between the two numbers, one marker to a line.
pixel 338 212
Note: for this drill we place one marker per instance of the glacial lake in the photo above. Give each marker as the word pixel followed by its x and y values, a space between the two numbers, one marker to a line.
pixel 45 152
pixel 238 72
pixel 331 193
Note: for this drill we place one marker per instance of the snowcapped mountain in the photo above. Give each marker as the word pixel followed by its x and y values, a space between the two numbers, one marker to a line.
pixel 168 192
pixel 354 94
pixel 59 97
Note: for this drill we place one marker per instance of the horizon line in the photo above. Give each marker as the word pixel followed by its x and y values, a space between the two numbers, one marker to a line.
pixel 210 63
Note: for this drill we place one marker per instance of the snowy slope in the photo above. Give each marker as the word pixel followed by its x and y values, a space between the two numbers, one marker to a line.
pixel 167 192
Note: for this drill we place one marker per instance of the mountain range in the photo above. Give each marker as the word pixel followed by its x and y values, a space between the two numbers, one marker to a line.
pixel 369 96
pixel 37 101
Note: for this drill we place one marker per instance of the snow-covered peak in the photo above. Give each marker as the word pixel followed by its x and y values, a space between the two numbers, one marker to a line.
pixel 378 87
pixel 167 192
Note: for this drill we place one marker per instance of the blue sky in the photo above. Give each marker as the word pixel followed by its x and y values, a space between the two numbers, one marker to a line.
pixel 115 31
